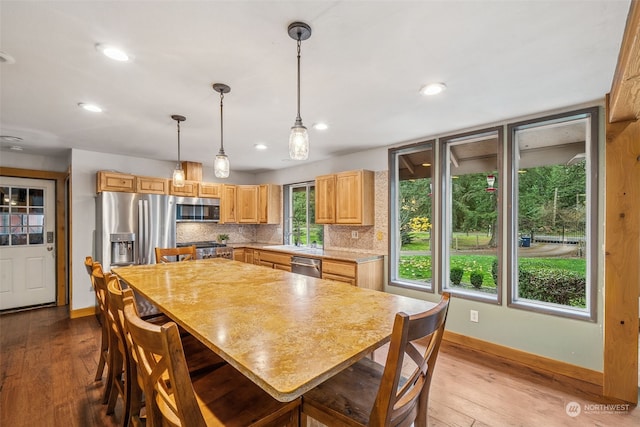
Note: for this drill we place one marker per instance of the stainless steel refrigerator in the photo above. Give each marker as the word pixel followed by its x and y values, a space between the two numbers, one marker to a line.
pixel 130 226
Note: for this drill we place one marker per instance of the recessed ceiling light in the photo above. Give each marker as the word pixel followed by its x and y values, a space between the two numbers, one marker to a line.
pixel 10 138
pixel 90 107
pixel 432 89
pixel 426 165
pixel 320 126
pixel 260 146
pixel 113 52
pixel 15 148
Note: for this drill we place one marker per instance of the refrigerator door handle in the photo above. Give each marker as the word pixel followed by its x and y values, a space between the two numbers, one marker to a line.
pixel 147 237
pixel 141 237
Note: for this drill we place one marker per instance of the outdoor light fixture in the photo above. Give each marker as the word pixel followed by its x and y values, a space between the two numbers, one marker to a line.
pixel 490 181
pixel 299 138
pixel 221 163
pixel 178 173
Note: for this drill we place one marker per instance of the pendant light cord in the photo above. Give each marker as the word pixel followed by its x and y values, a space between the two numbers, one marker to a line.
pixel 178 121
pixel 298 118
pixel 221 124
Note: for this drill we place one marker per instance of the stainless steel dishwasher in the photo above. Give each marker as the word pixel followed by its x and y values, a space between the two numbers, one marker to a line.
pixel 307 266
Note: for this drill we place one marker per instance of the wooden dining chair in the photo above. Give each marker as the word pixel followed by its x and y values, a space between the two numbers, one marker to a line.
pixel 199 358
pixel 368 394
pixel 98 277
pixel 224 397
pixel 185 253
pixel 104 340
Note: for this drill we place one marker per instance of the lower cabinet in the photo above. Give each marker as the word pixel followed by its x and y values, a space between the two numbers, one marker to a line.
pixel 238 254
pixel 367 274
pixel 277 260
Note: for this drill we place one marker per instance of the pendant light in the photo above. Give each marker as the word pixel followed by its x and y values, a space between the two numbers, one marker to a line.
pixel 221 163
pixel 299 138
pixel 178 173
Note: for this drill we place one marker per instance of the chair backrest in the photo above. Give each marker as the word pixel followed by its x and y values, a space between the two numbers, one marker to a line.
pixel 159 355
pixel 400 400
pixel 185 253
pixel 88 263
pixel 100 286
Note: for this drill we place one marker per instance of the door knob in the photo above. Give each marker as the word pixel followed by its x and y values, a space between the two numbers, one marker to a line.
pixel 49 248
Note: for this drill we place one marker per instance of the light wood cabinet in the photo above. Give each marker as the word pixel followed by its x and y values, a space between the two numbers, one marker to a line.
pixel 238 254
pixel 228 211
pixel 355 198
pixel 210 190
pixel 248 256
pixel 367 274
pixel 272 259
pixel 189 189
pixel 269 204
pixel 247 204
pixel 151 185
pixel 115 181
pixel 325 199
pixel 345 198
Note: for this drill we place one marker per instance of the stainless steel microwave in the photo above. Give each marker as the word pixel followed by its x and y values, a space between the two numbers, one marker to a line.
pixel 191 209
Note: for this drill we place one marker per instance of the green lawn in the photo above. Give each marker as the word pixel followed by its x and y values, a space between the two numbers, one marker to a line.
pixel 418 267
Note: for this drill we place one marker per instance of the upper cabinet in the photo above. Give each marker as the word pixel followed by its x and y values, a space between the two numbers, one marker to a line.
pixel 247 204
pixel 115 181
pixel 211 190
pixel 228 204
pixel 151 185
pixel 345 198
pixel 269 204
pixel 189 189
pixel 326 199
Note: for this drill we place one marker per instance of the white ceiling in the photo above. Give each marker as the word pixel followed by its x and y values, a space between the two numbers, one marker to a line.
pixel 362 69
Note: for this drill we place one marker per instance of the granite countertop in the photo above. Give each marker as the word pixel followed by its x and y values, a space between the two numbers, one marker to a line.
pixel 358 257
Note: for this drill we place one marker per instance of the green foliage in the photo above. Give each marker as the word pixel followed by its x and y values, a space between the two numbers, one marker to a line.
pixel 552 285
pixel 494 271
pixel 223 237
pixel 456 275
pixel 476 279
pixel 419 223
pixel 415 267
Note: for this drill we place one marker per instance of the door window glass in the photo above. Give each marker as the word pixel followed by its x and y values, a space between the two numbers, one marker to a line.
pixel 21 216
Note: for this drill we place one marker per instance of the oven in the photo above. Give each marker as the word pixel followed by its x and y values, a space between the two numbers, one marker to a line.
pixel 206 250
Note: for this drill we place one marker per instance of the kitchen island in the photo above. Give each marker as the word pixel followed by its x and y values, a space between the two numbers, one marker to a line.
pixel 364 270
pixel 286 332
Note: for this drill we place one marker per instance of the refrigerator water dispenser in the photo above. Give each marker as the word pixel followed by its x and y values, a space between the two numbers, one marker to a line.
pixel 122 248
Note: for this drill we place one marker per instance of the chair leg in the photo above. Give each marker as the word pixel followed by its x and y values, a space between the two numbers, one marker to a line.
pixel 115 377
pixel 109 385
pixel 104 347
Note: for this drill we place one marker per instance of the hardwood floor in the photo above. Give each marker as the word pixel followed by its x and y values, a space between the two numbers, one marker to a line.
pixel 47 364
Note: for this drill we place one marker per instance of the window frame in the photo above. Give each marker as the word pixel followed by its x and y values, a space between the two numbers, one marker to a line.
pixel 589 313
pixel 288 202
pixel 394 215
pixel 446 203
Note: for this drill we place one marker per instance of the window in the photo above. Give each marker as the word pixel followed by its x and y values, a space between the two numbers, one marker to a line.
pixel 470 169
pixel 411 216
pixel 21 216
pixel 299 225
pixel 555 208
pixel 471 212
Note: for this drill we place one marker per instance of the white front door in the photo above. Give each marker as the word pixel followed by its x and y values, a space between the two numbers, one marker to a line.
pixel 27 242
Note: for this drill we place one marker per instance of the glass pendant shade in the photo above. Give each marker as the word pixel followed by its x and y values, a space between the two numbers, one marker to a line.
pixel 221 165
pixel 299 143
pixel 178 173
pixel 178 176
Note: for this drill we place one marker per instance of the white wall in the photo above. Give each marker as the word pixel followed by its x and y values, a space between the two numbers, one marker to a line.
pixel 375 160
pixel 21 160
pixel 84 165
